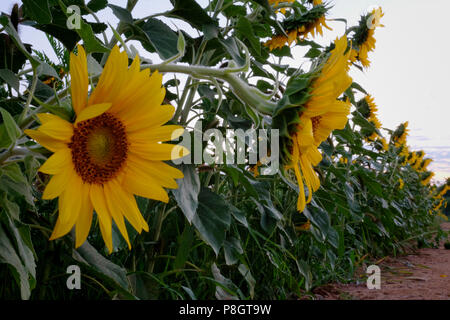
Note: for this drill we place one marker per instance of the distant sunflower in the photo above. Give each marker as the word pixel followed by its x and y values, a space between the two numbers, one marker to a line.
pixel 382 144
pixel 401 184
pixel 427 178
pixel 112 151
pixel 424 165
pixel 300 27
pixel 400 134
pixel 364 40
pixel 321 114
pixel 368 109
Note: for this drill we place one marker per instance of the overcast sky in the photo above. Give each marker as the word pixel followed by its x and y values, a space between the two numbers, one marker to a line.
pixel 410 66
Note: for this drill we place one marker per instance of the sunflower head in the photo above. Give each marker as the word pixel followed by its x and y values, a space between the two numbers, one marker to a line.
pixel 305 126
pixel 112 151
pixel 299 27
pixel 400 134
pixel 426 178
pixel 363 38
pixel 401 184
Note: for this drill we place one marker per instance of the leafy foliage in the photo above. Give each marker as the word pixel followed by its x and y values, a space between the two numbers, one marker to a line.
pixel 226 232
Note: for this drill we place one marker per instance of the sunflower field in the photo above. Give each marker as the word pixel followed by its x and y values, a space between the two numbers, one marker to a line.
pixel 111 158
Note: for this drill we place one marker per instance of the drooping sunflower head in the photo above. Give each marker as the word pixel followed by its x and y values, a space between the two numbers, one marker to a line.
pixel 401 183
pixel 306 126
pixel 319 110
pixel 426 178
pixel 112 151
pixel 299 27
pixel 368 109
pixel 400 134
pixel 424 164
pixel 382 144
pixel 363 38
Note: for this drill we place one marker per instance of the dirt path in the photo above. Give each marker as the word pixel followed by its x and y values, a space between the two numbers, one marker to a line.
pixel 421 276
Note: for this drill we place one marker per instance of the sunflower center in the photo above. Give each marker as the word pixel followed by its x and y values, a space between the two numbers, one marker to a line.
pixel 99 148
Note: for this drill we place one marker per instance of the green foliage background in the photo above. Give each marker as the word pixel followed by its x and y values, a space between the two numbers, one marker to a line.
pixel 244 240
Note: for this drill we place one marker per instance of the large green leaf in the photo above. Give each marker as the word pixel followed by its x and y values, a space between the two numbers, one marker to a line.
pixel 187 193
pixel 38 10
pixel 15 252
pixel 191 12
pixel 110 272
pixel 161 37
pixel 212 219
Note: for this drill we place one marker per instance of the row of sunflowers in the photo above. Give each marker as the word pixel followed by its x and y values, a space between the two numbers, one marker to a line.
pixel 86 149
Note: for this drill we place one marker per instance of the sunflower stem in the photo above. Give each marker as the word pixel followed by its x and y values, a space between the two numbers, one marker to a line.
pixel 159 220
pixel 30 96
pixel 248 94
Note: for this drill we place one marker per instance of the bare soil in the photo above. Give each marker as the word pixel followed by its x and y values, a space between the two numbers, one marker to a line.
pixel 423 275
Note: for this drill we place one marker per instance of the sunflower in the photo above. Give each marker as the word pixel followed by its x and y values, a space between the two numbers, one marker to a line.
pixel 321 114
pixel 401 184
pixel 306 25
pixel 400 134
pixel 112 151
pixel 364 39
pixel 383 143
pixel 427 179
pixel 424 165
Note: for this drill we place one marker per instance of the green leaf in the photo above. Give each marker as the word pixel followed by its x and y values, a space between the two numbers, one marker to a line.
pixel 11 127
pixel 212 219
pixel 246 29
pixel 14 172
pixel 97 5
pixel 121 13
pixel 10 78
pixel 161 37
pixel 91 43
pixel 187 193
pixel 17 254
pixel 9 28
pixel 109 271
pixel 11 208
pixel 191 12
pixel 38 10
pixel 233 250
pixel 184 246
pixel 245 271
pixel 46 69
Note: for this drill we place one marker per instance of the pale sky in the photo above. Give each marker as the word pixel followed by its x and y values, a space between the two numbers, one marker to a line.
pixel 410 66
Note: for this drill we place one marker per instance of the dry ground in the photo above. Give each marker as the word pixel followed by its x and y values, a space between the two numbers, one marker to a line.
pixel 424 275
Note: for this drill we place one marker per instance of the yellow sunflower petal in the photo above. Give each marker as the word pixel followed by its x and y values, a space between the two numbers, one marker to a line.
pixel 58 184
pixel 57 128
pixel 127 203
pixel 112 79
pixel 104 217
pixel 136 185
pixel 92 111
pixel 158 151
pixel 69 205
pixel 157 134
pixel 79 79
pixel 46 141
pixel 57 162
pixel 84 221
pixel 148 170
pixel 158 117
pixel 117 216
